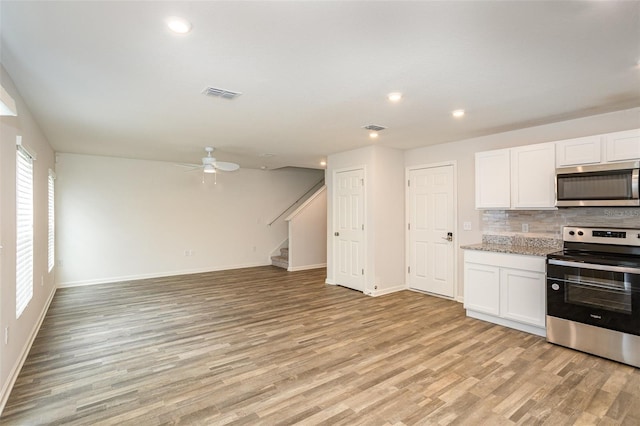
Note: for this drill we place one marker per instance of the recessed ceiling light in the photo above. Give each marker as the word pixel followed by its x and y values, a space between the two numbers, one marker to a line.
pixel 323 163
pixel 394 96
pixel 458 113
pixel 179 25
pixel 373 135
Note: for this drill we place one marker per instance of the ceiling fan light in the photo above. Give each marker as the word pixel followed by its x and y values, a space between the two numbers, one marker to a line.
pixel 208 168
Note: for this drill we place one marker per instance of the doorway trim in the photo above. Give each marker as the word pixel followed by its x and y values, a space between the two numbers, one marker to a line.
pixel 456 246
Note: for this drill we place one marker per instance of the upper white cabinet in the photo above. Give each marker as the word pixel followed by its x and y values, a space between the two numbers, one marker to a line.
pixel 493 179
pixel 622 146
pixel 575 152
pixel 607 148
pixel 516 178
pixel 533 174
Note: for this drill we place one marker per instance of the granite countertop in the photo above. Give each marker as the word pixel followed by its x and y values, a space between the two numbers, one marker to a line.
pixel 517 244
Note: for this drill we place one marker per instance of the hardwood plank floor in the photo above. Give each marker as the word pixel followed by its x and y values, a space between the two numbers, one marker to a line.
pixel 266 346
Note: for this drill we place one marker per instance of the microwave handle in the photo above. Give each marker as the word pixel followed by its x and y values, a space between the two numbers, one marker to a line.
pixel 635 176
pixel 607 268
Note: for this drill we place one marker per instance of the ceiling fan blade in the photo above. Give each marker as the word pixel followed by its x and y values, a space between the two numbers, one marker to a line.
pixel 226 167
pixel 191 167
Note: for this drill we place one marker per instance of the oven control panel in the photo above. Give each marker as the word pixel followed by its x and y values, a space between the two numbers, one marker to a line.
pixel 617 236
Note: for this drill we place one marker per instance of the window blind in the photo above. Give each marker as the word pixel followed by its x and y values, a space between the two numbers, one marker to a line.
pixel 24 230
pixel 52 222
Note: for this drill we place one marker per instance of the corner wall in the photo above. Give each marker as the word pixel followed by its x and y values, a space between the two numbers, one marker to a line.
pixel 384 215
pixel 21 331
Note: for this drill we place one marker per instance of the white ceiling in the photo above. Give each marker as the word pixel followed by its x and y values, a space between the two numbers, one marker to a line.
pixel 109 78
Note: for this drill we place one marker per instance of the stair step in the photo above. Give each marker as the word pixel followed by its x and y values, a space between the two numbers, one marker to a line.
pixel 284 252
pixel 280 261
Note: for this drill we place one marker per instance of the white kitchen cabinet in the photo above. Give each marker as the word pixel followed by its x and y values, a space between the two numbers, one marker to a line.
pixel 484 294
pixel 506 289
pixel 533 174
pixel 493 179
pixel 579 151
pixel 522 296
pixel 518 178
pixel 622 146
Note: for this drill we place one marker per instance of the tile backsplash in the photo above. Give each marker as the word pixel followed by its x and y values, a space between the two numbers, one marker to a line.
pixel 552 221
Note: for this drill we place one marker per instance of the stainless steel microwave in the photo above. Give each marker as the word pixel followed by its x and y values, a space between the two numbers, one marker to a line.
pixel 601 185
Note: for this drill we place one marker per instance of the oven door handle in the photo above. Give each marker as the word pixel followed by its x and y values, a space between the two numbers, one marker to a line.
pixel 607 268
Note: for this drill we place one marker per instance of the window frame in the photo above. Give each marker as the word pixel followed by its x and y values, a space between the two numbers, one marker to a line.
pixel 24 226
pixel 51 221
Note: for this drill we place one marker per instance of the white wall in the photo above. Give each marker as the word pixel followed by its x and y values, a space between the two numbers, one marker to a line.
pixel 463 153
pixel 122 219
pixel 308 233
pixel 384 215
pixel 22 330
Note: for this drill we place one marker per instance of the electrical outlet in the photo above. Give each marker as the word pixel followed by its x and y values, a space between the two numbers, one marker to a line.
pixel 525 227
pixel 466 226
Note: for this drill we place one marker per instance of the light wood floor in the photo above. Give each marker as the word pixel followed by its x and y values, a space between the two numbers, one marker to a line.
pixel 263 346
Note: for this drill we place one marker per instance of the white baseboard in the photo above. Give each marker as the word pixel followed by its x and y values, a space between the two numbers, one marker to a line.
pixel 108 280
pixel 15 371
pixel 306 267
pixel 539 331
pixel 329 281
pixel 381 292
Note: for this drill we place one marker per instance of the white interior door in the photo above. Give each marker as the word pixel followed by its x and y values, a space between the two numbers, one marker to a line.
pixel 349 229
pixel 430 228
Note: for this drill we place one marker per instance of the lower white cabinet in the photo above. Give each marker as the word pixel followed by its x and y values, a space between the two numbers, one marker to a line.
pixel 506 289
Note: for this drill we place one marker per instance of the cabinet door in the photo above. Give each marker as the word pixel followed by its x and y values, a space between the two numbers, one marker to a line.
pixel 623 146
pixel 493 179
pixel 482 288
pixel 522 296
pixel 574 152
pixel 533 171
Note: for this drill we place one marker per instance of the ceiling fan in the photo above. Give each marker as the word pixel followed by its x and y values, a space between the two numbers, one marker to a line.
pixel 211 165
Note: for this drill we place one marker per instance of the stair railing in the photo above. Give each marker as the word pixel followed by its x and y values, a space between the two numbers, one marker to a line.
pixel 314 188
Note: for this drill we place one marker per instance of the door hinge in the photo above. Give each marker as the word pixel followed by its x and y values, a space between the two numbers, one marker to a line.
pixel 408 269
pixel 363 272
pixel 409 226
pixel 363 226
pixel 362 182
pixel 408 183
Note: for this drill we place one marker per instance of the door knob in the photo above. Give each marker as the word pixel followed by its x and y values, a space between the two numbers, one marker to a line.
pixel 449 236
pixel 337 234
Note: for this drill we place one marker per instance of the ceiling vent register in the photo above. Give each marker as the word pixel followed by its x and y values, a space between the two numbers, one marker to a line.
pixel 374 127
pixel 220 93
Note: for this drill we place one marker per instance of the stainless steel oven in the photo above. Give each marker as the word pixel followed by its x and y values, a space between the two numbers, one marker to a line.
pixel 593 293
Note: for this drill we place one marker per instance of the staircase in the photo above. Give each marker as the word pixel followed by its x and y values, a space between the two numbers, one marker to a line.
pixel 281 261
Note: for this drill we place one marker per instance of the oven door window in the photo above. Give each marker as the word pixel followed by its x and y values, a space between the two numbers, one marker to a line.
pixel 600 292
